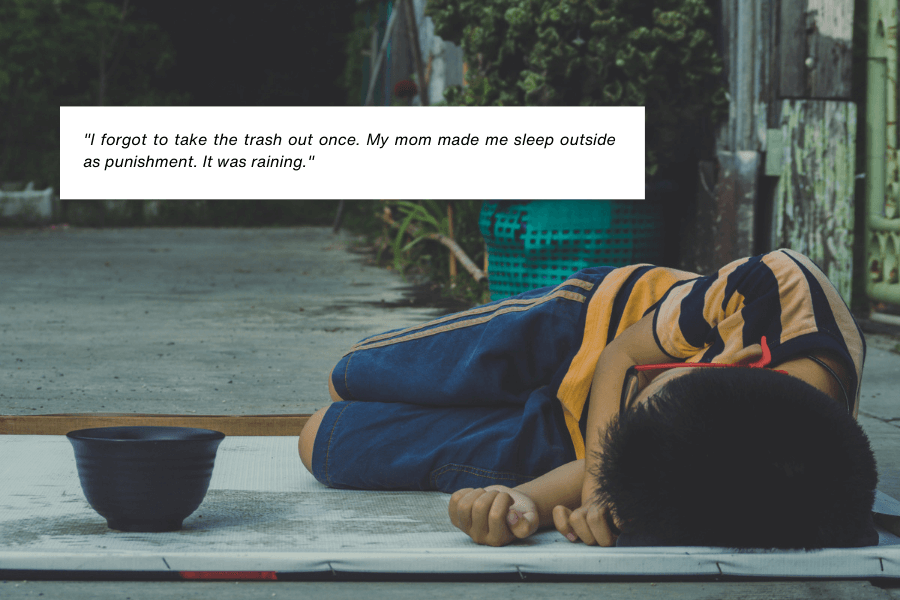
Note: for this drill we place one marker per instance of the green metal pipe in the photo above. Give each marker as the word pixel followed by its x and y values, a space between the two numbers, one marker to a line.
pixel 882 185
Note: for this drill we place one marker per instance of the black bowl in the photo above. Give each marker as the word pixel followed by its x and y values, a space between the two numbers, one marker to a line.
pixel 145 478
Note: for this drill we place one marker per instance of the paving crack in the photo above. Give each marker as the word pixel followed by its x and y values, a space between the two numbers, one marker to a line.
pixel 895 421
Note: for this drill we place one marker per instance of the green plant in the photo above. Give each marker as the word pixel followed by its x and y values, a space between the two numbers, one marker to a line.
pixel 415 222
pixel 591 53
pixel 426 218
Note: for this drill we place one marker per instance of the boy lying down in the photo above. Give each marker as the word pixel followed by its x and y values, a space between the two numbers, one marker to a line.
pixel 626 406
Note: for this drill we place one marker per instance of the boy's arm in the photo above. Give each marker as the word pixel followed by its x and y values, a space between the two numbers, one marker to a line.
pixel 568 485
pixel 560 487
pixel 497 515
pixel 634 346
pixel 557 496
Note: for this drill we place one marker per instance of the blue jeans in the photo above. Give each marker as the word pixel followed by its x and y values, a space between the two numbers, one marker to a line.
pixel 467 400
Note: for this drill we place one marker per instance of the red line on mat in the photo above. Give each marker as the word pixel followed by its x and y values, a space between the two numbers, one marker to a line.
pixel 243 575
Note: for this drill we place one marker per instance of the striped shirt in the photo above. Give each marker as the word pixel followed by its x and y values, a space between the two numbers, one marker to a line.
pixel 719 318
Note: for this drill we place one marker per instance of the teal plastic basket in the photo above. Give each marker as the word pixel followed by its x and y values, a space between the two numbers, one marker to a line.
pixel 543 242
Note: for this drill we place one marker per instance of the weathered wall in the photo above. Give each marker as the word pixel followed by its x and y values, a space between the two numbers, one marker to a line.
pixel 813 206
pixel 815 57
pixel 724 223
pixel 788 68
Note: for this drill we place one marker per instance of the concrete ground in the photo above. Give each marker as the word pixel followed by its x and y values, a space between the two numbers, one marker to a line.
pixel 250 321
pixel 205 321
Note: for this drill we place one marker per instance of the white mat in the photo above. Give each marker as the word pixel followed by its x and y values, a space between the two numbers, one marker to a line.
pixel 263 512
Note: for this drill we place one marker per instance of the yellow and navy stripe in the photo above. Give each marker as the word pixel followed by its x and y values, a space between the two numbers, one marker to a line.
pixel 719 318
pixel 782 295
pixel 624 296
pixel 476 316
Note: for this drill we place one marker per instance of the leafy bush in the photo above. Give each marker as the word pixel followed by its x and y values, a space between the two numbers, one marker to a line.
pixel 590 53
pixel 50 56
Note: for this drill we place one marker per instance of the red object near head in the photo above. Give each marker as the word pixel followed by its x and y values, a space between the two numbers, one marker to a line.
pixel 405 89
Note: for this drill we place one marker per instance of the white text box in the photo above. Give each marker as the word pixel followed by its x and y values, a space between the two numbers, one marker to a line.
pixel 134 153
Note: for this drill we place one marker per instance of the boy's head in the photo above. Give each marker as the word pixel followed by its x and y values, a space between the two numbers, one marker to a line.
pixel 744 458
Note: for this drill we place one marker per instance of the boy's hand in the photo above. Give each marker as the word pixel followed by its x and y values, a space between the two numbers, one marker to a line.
pixel 493 516
pixel 589 523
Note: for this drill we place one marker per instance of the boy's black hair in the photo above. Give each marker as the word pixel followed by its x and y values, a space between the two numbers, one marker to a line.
pixel 742 458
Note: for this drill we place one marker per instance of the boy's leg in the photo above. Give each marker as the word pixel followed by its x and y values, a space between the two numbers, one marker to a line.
pixel 392 446
pixel 441 385
pixel 308 437
pixel 308 433
pixel 491 355
pixel 331 391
